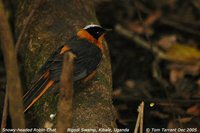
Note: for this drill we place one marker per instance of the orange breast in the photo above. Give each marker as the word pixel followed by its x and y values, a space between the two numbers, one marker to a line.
pixel 84 34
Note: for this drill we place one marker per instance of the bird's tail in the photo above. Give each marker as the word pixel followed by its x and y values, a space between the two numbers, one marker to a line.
pixel 37 90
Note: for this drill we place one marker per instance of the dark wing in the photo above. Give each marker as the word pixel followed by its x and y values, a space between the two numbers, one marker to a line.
pixel 43 81
pixel 88 57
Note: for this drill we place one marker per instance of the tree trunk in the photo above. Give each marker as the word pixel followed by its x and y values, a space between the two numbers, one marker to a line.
pixel 51 23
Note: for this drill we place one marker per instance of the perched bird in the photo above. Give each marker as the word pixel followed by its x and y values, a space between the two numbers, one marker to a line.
pixel 86 45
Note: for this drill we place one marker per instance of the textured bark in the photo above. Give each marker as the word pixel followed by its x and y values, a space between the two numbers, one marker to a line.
pixel 52 23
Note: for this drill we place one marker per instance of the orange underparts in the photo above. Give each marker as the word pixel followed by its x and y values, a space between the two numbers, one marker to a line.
pixel 89 77
pixel 49 84
pixel 64 49
pixel 84 34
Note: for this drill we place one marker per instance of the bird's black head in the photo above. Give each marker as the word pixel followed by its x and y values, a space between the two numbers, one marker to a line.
pixel 95 30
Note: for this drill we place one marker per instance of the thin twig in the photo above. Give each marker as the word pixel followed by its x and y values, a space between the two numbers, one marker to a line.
pixel 66 95
pixel 141 116
pixel 25 27
pixel 5 112
pixel 13 88
pixel 138 41
pixel 137 123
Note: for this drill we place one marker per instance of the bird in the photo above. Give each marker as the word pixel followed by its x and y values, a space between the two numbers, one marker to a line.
pixel 86 45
